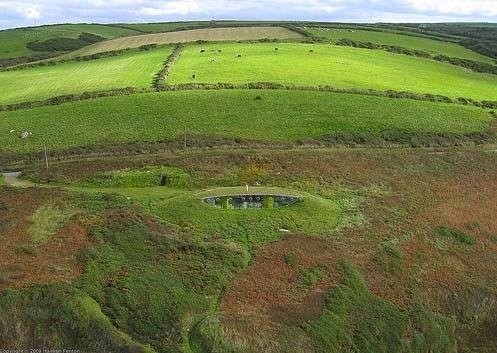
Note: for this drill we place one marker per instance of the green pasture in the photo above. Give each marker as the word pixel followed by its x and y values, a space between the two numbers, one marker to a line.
pixel 13 41
pixel 264 115
pixel 407 41
pixel 343 67
pixel 134 69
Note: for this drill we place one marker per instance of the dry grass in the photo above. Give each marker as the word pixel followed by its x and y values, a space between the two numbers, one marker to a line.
pixel 454 188
pixel 22 264
pixel 209 34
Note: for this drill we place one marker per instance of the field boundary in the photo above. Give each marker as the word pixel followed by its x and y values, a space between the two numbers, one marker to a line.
pixel 476 66
pixel 56 61
pixel 328 88
pixel 91 57
pixel 386 139
pixel 307 38
pixel 401 31
pixel 160 78
pixel 69 98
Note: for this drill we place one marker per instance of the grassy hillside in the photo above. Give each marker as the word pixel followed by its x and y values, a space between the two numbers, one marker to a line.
pixel 230 281
pixel 209 34
pixel 329 65
pixel 134 69
pixel 407 41
pixel 13 41
pixel 158 27
pixel 276 116
pixel 107 243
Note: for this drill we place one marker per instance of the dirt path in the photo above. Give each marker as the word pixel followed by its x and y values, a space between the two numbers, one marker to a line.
pixel 12 179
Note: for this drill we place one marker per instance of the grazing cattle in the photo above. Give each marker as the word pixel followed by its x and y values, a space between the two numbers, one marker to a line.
pixel 239 56
pixel 213 60
pixel 219 51
pixel 202 50
pixel 194 76
pixel 311 51
pixel 275 49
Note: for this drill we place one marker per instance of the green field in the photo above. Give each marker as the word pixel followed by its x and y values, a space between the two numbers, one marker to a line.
pixel 13 41
pixel 342 67
pixel 276 116
pixel 406 41
pixel 135 69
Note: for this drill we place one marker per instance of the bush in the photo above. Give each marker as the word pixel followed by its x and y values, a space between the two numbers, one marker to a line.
pixel 64 44
pixel 160 78
pixel 71 98
pixel 355 320
pixel 456 235
pixel 147 47
pixel 55 62
pixel 468 64
pixel 8 62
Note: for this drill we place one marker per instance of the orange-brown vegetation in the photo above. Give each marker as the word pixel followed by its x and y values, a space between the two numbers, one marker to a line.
pixel 22 264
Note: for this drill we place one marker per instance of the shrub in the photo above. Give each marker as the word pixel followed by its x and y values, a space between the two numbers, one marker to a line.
pixel 71 98
pixel 355 320
pixel 468 64
pixel 26 249
pixel 160 78
pixel 456 235
pixel 389 257
pixel 147 47
pixel 64 44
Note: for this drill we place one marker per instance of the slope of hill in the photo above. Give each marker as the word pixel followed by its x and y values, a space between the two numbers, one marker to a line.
pixel 408 41
pixel 263 116
pixel 329 65
pixel 159 27
pixel 207 34
pixel 134 69
pixel 14 41
pixel 256 197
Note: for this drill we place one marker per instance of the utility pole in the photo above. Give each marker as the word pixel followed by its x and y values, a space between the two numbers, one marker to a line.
pixel 46 160
pixel 184 139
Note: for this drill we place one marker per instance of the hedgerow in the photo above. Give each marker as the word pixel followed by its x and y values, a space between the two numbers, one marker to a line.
pixel 59 44
pixel 160 78
pixel 73 98
pixel 466 63
pixel 327 88
pixel 76 59
pixel 252 86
